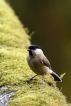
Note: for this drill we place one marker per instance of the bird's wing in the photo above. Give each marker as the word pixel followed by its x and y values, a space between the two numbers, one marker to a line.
pixel 46 62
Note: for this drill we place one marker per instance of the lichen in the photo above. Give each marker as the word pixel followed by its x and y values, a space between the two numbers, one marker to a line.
pixel 14 69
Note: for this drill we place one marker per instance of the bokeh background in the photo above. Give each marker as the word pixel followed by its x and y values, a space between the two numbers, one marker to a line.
pixel 51 22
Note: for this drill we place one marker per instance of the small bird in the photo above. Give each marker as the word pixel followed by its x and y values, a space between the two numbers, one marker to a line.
pixel 39 64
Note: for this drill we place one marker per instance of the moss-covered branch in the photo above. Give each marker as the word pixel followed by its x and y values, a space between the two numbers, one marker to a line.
pixel 14 69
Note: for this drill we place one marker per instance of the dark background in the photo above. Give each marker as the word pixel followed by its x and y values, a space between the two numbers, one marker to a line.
pixel 51 22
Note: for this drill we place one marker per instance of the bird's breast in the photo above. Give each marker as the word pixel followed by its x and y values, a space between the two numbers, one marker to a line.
pixel 36 66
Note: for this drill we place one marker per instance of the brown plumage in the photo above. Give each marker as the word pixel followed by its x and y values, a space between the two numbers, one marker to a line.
pixel 39 63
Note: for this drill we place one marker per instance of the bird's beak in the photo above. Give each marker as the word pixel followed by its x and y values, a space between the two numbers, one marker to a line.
pixel 28 50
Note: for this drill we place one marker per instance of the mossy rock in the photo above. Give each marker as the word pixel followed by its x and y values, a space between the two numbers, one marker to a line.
pixel 14 69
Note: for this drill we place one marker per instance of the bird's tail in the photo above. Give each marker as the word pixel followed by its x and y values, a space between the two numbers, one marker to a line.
pixel 56 77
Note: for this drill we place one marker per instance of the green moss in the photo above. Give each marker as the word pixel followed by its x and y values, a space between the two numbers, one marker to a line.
pixel 13 44
pixel 14 69
pixel 38 95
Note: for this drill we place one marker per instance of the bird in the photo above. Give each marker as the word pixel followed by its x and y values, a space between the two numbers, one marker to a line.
pixel 39 64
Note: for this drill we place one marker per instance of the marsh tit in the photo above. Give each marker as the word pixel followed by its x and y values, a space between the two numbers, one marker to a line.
pixel 39 64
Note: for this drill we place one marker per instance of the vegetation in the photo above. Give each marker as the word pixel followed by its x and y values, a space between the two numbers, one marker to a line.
pixel 14 69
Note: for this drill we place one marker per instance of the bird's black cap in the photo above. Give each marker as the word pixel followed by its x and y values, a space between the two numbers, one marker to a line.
pixel 33 47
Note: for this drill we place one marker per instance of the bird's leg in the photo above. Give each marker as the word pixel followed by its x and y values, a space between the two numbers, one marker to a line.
pixel 33 77
pixel 28 80
pixel 42 79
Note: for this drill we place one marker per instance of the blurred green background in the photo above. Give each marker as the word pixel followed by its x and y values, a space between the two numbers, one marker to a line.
pixel 51 22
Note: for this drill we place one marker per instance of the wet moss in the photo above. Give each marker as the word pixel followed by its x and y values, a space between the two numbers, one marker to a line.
pixel 14 69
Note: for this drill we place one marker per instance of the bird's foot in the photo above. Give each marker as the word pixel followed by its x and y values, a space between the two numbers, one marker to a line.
pixel 29 80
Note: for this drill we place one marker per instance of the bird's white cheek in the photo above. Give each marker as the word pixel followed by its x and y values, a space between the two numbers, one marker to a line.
pixel 38 51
